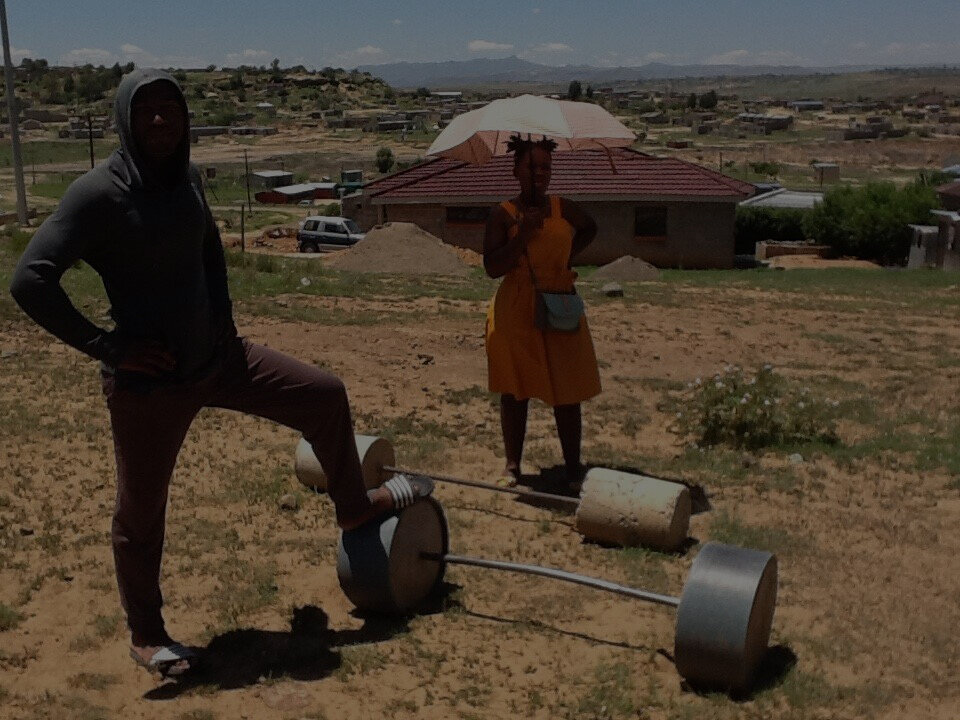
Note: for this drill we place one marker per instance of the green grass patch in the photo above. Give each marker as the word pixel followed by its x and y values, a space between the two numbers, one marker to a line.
pixel 728 529
pixel 244 587
pixel 359 660
pixel 610 695
pixel 9 618
pixel 41 152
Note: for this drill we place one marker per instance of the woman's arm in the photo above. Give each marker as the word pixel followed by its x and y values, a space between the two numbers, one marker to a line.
pixel 583 224
pixel 500 253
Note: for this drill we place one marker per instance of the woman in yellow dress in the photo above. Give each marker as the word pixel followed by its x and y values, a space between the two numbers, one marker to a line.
pixel 542 233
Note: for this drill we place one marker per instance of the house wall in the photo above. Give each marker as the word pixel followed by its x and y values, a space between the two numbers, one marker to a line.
pixel 699 235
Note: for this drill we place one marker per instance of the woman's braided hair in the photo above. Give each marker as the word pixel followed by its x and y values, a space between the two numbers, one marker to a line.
pixel 520 146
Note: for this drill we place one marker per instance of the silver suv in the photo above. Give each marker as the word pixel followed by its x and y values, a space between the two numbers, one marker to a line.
pixel 319 233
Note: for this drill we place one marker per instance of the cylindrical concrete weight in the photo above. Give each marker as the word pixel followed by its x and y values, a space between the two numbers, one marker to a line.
pixel 380 565
pixel 630 510
pixel 725 614
pixel 375 452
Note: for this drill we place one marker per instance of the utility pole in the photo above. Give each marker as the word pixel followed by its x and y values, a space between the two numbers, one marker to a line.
pixel 90 138
pixel 246 174
pixel 13 110
pixel 243 229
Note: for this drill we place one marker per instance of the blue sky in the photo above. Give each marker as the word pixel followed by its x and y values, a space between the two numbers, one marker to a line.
pixel 555 32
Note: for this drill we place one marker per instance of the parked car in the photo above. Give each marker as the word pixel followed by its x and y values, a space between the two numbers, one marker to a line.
pixel 319 233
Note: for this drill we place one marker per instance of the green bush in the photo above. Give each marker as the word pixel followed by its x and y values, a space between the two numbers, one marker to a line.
pixel 870 221
pixel 753 410
pixel 756 224
pixel 384 160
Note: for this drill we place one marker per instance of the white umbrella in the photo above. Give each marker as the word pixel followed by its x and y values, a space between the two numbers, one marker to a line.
pixel 479 135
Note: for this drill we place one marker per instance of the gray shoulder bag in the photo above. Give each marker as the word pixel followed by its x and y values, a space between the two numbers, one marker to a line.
pixel 555 312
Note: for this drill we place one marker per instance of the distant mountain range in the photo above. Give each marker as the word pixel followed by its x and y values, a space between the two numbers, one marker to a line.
pixel 455 74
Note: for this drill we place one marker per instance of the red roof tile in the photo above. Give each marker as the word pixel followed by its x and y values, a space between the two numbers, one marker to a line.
pixel 581 173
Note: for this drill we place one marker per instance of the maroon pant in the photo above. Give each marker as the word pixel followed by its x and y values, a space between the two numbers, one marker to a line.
pixel 149 428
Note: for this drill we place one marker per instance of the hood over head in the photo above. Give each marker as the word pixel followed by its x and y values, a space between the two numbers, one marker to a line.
pixel 138 169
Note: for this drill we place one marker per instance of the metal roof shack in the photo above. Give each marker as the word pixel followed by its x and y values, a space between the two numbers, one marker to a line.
pixel 271 178
pixel 783 198
pixel 289 194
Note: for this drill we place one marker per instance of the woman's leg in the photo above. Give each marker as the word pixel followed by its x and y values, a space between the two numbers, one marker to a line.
pixel 569 428
pixel 513 423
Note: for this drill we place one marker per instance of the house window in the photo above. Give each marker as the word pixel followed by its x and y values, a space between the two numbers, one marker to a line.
pixel 468 215
pixel 650 224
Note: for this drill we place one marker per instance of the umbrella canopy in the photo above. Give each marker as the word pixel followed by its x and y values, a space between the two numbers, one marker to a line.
pixel 478 135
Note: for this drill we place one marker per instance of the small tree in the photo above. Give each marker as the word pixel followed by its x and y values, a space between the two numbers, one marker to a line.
pixel 384 160
pixel 423 92
pixel 575 90
pixel 692 101
pixel 589 92
pixel 870 221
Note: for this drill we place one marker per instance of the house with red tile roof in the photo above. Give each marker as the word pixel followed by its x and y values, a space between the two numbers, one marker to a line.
pixel 667 211
pixel 949 195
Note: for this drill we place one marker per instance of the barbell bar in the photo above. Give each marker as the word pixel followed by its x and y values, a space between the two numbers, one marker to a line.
pixel 614 507
pixel 724 613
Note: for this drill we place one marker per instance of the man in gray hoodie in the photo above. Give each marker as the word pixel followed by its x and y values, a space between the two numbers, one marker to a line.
pixel 141 221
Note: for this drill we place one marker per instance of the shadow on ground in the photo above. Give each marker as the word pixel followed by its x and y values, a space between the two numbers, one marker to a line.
pixel 560 631
pixel 776 664
pixel 240 658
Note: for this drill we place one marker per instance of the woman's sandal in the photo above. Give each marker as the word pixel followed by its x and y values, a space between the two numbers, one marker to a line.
pixel 507 479
pixel 407 489
pixel 165 660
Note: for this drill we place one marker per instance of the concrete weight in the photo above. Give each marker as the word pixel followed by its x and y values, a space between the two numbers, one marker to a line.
pixel 382 565
pixel 725 616
pixel 375 452
pixel 629 510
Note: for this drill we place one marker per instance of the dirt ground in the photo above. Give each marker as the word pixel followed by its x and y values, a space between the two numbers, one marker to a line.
pixel 867 619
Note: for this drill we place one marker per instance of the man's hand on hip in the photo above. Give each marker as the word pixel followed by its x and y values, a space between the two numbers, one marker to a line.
pixel 148 357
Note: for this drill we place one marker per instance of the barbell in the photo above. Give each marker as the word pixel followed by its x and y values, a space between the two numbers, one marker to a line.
pixel 616 508
pixel 724 614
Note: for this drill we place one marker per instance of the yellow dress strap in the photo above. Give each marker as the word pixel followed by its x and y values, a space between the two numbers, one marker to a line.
pixel 556 210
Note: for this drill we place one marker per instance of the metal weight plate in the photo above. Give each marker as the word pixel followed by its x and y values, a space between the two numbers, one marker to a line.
pixel 379 564
pixel 725 615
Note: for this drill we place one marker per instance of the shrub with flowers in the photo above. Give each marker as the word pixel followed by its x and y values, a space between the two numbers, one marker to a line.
pixel 753 410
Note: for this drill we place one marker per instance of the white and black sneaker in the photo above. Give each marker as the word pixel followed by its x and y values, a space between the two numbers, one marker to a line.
pixel 407 489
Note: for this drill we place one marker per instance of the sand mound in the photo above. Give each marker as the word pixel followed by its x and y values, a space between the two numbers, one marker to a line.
pixel 789 262
pixel 626 269
pixel 400 248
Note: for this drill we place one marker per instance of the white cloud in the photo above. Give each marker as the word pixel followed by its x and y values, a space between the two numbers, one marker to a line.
pixel 762 57
pixel 536 11
pixel 552 47
pixel 368 51
pixel 481 45
pixel 249 55
pixel 83 56
pixel 860 45
pixel 654 56
pixel 130 49
pixel 397 21
pixel 21 53
pixel 895 48
pixel 731 57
